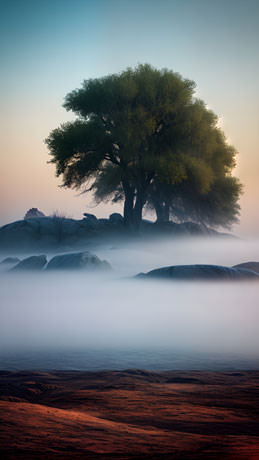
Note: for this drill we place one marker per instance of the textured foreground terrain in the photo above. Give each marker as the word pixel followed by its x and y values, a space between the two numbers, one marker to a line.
pixel 129 415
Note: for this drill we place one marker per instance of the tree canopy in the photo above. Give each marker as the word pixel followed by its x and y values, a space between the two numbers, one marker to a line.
pixel 143 138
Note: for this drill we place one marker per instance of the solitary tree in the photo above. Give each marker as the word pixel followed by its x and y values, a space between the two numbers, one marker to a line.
pixel 138 134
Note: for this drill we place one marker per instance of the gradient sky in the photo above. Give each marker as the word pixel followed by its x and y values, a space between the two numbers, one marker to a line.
pixel 49 47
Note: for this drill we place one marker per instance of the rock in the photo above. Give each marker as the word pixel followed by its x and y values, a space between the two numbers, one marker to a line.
pixel 254 266
pixel 200 272
pixel 32 213
pixel 31 263
pixel 10 260
pixel 77 261
pixel 90 216
pixel 40 232
pixel 116 218
pixel 16 235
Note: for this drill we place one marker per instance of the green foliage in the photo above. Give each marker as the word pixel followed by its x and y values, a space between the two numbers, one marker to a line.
pixel 142 132
pixel 218 207
pixel 107 184
pixel 78 150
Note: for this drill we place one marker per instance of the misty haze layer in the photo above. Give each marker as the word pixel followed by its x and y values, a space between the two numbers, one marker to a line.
pixel 82 311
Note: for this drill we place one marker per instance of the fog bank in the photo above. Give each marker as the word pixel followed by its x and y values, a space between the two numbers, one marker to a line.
pixel 78 310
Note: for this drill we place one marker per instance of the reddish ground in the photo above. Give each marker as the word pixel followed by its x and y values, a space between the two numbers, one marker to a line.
pixel 129 415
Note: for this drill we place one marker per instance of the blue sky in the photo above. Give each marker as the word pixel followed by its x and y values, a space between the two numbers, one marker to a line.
pixel 49 47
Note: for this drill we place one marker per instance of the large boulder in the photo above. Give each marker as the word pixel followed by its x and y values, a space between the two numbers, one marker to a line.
pixel 18 234
pixel 31 263
pixel 116 218
pixel 200 272
pixel 77 261
pixel 254 266
pixel 33 212
pixel 90 216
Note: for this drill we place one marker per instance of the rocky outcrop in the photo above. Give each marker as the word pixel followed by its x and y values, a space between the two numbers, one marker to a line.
pixel 31 263
pixel 77 261
pixel 32 213
pixel 43 233
pixel 200 272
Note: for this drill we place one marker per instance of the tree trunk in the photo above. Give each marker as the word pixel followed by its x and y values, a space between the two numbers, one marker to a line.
pixel 128 204
pixel 159 211
pixel 166 212
pixel 138 211
pixel 133 211
pixel 138 207
pixel 162 211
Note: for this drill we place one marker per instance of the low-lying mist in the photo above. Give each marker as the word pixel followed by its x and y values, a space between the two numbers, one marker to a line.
pixel 76 310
